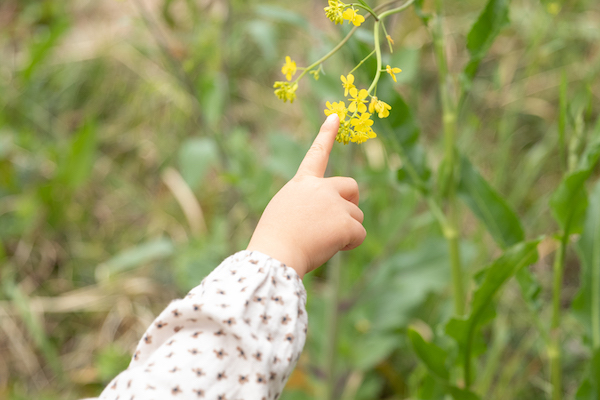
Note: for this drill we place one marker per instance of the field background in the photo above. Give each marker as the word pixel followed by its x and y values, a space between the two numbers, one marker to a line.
pixel 140 141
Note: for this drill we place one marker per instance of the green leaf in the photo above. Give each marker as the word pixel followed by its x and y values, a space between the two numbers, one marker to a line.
pixel 491 21
pixel 44 41
pixel 33 323
pixel 464 330
pixel 77 166
pixel 530 288
pixel 489 207
pixel 569 201
pixel 462 394
pixel 134 257
pixel 433 356
pixel 196 157
pixel 586 305
pixel 401 131
pixel 419 11
pixel 373 349
pixel 595 372
pixel 590 387
pixel 280 14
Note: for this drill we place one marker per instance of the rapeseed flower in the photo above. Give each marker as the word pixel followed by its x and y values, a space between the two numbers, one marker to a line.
pixel 347 83
pixel 352 16
pixel 362 123
pixel 285 91
pixel 393 72
pixel 361 137
pixel 344 133
pixel 335 11
pixel 289 68
pixel 381 108
pixel 337 108
pixel 357 101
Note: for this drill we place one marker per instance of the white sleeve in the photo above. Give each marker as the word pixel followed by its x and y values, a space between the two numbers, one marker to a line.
pixel 238 335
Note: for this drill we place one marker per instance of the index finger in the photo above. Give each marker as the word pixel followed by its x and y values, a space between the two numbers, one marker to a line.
pixel 315 160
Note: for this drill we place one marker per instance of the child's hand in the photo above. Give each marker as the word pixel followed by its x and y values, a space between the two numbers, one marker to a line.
pixel 311 218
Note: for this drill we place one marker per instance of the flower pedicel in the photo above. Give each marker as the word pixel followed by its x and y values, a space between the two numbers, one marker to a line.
pixel 356 119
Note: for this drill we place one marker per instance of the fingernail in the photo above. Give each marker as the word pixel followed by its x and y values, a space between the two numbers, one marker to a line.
pixel 332 118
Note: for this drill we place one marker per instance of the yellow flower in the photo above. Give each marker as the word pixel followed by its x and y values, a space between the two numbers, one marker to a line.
pixel 289 68
pixel 285 91
pixel 393 72
pixel 347 83
pixel 381 108
pixel 352 15
pixel 362 123
pixel 344 133
pixel 315 74
pixel 357 102
pixel 361 137
pixel 335 11
pixel 337 108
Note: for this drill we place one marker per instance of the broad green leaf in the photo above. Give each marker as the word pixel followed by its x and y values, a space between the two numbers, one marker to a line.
pixel 489 207
pixel 464 330
pixel 530 288
pixel 569 201
pixel 491 21
pixel 595 372
pixel 405 280
pixel 462 394
pixel 374 349
pixel 135 257
pixel 433 356
pixel 587 302
pixel 586 305
pixel 401 131
pixel 590 386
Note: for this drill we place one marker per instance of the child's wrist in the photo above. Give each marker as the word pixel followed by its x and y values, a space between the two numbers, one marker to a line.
pixel 289 258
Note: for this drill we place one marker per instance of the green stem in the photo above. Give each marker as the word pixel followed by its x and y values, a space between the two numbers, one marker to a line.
pixel 387 37
pixel 369 10
pixel 595 306
pixel 554 351
pixel 449 128
pixel 378 54
pixel 396 10
pixel 434 207
pixel 362 61
pixel 352 31
pixel 333 276
pixel 326 56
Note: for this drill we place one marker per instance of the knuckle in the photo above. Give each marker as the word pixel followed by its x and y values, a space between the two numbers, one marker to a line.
pixel 317 148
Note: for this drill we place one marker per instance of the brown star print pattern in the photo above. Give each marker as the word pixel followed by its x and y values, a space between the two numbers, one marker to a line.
pixel 235 336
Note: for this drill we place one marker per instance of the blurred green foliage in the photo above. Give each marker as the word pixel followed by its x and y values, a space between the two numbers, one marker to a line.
pixel 140 141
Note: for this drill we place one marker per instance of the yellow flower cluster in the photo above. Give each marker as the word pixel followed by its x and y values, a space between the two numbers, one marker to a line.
pixel 355 121
pixel 337 12
pixel 286 90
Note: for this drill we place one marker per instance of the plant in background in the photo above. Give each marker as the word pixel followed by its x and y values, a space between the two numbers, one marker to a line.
pixel 451 356
pixel 355 122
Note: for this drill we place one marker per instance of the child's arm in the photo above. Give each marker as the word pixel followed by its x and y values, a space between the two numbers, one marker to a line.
pixel 240 332
pixel 311 218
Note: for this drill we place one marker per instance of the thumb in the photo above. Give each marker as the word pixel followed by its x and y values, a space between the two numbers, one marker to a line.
pixel 315 160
